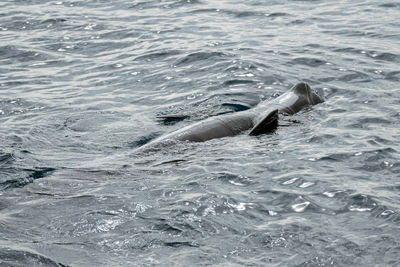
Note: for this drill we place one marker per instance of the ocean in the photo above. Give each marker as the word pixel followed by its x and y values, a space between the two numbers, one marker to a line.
pixel 83 85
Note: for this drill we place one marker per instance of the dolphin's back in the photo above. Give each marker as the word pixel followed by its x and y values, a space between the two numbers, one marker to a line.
pixel 214 127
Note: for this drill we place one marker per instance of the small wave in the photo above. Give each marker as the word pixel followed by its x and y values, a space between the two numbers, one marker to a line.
pixel 99 48
pixel 20 24
pixel 6 158
pixel 379 140
pixel 10 54
pixel 175 4
pixel 390 5
pixel 157 55
pixel 244 14
pixel 377 120
pixel 323 137
pixel 244 66
pixel 393 76
pixel 200 56
pixel 337 157
pixel 278 14
pixel 21 182
pixel 204 10
pixel 167 228
pixel 240 14
pixel 354 202
pixel 365 122
pixel 360 202
pixel 359 33
pixel 288 202
pixel 9 257
pixel 176 244
pixel 234 179
pixel 298 22
pixel 312 62
pixel 86 122
pixel 120 35
pixel 54 21
pixel 236 82
pixel 172 119
pixel 355 76
pixel 10 107
pixel 321 260
pixel 313 45
pixel 181 3
pixel 386 213
pixel 368 156
pixel 382 165
pixel 386 56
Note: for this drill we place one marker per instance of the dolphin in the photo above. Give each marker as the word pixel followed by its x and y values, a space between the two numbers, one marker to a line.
pixel 259 120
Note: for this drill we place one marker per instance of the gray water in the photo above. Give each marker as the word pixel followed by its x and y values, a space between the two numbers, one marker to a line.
pixel 82 84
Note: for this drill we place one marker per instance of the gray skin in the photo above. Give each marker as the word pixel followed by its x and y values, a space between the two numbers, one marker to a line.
pixel 260 119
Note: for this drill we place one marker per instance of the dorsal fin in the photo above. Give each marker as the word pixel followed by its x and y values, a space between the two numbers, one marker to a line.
pixel 267 124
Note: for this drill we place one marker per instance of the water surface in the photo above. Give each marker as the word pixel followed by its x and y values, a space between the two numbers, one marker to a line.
pixel 82 84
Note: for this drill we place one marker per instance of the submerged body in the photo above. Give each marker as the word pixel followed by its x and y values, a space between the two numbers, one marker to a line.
pixel 261 119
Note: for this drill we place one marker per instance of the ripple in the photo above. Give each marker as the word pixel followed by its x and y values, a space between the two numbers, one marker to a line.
pixel 6 159
pixel 238 180
pixel 142 5
pixel 386 56
pixel 324 137
pixel 393 76
pixel 366 122
pixel 377 120
pixel 54 21
pixel 355 76
pixel 11 256
pixel 32 175
pixel 172 119
pixel 337 157
pixel 282 202
pixel 311 62
pixel 157 55
pixel 245 14
pixel 85 122
pixel 300 207
pixel 361 203
pixel 385 213
pixel 204 10
pixel 200 56
pixel 236 82
pixel 20 24
pixel 9 107
pixel 336 193
pixel 291 181
pixel 177 244
pixel 390 5
pixel 10 54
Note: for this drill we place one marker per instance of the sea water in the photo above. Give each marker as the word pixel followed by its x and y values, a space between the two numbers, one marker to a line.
pixel 82 86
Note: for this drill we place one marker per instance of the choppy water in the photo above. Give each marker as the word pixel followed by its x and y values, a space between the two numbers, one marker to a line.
pixel 82 83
